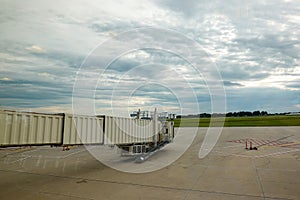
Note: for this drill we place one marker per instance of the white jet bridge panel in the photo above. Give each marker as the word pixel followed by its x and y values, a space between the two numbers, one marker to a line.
pixel 119 130
pixel 80 129
pixel 23 128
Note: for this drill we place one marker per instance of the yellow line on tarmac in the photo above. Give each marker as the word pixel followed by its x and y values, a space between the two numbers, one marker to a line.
pixel 281 145
pixel 289 144
pixel 22 149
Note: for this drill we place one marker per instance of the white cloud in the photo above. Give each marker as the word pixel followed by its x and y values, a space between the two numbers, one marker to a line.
pixel 5 79
pixel 7 57
pixel 295 19
pixel 44 74
pixel 51 109
pixel 36 49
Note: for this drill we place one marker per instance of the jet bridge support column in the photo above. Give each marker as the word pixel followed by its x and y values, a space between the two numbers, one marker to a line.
pixel 155 132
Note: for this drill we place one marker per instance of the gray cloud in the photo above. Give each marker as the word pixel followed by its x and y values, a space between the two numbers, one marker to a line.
pixel 188 8
pixel 270 99
pixel 252 43
pixel 229 83
pixel 295 85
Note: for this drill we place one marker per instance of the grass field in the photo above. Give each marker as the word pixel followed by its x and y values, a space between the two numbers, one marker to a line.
pixel 279 120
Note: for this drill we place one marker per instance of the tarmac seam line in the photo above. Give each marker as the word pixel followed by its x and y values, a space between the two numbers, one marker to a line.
pixel 145 185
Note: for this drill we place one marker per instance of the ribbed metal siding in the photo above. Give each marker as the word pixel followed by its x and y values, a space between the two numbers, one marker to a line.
pixel 120 130
pixel 20 128
pixel 79 129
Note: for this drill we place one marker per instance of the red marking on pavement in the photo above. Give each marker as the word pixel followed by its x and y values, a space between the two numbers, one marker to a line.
pixel 258 142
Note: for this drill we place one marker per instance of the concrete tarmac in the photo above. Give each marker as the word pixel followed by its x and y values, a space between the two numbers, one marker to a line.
pixel 228 172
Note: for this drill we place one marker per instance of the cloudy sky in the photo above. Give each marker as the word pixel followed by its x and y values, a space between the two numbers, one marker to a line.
pixel 45 44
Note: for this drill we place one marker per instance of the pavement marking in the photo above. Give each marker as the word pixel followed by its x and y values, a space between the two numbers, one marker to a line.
pixel 16 154
pixel 261 156
pixel 65 195
pixel 269 143
pixel 71 154
pixel 21 159
pixel 149 185
pixel 290 144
